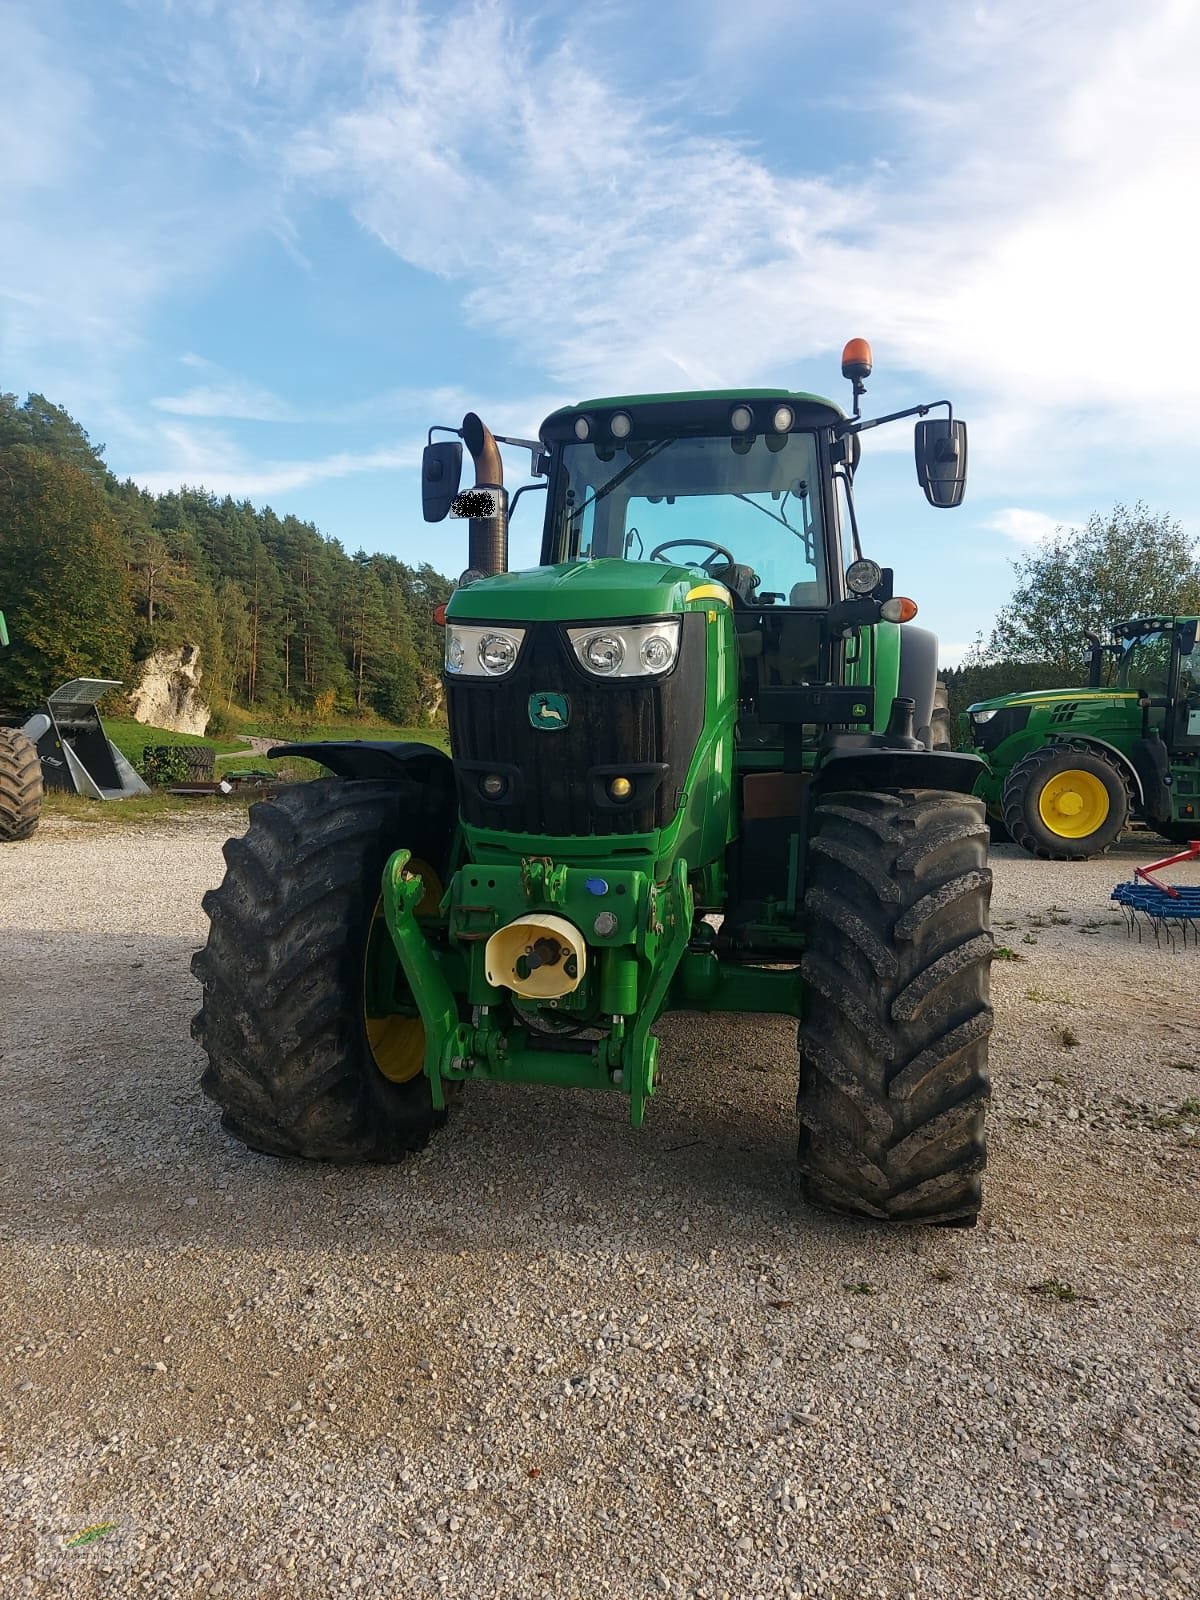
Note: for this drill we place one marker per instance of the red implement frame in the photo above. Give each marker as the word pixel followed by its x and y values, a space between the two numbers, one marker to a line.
pixel 1192 853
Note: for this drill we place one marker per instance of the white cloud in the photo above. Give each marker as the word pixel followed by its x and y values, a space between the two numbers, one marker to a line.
pixel 1016 231
pixel 1023 526
pixel 212 460
pixel 1024 240
pixel 231 399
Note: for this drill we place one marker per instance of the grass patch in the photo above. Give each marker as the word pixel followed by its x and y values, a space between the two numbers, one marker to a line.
pixel 1053 1289
pixel 297 730
pixel 1184 1066
pixel 1028 939
pixel 943 1275
pixel 1067 1037
pixel 131 738
pixel 862 1287
pixel 1003 953
pixel 1189 1111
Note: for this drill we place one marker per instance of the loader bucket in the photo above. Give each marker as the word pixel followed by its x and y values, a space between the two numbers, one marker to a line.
pixel 76 753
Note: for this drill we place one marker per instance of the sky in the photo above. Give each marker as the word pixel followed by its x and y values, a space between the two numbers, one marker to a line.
pixel 261 247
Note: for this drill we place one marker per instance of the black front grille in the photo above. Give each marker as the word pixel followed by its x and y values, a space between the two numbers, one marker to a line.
pixel 1008 720
pixel 646 728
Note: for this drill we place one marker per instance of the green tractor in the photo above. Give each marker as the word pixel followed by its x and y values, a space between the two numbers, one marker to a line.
pixel 1068 768
pixel 692 770
pixel 20 777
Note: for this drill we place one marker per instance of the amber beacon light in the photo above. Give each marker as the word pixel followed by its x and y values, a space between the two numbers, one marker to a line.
pixel 856 360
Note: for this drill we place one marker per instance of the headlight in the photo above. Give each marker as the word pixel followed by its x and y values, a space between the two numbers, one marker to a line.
pixel 863 577
pixel 782 421
pixel 497 653
pixel 632 650
pixel 473 652
pixel 983 716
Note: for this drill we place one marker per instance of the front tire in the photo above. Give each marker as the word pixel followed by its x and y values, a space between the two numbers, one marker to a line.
pixel 1066 802
pixel 20 786
pixel 893 1046
pixel 284 1021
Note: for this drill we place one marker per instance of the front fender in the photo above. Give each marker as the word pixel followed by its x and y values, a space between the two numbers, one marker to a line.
pixel 375 758
pixel 952 770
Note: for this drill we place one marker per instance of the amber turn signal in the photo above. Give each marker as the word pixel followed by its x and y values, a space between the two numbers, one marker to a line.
pixel 900 609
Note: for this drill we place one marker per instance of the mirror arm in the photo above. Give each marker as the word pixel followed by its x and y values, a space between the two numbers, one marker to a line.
pixel 438 428
pixel 843 474
pixel 538 457
pixel 861 424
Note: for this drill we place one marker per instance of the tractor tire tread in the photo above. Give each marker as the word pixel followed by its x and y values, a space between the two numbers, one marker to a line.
pixel 20 786
pixel 281 1017
pixel 893 1082
pixel 1012 802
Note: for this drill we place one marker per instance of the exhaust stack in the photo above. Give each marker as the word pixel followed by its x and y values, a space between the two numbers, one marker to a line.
pixel 487 537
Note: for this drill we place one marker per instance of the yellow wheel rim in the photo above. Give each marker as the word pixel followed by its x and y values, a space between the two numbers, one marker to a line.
pixel 1074 804
pixel 398 1043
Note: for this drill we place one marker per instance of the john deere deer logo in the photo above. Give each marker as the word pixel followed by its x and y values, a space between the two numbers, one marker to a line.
pixel 549 710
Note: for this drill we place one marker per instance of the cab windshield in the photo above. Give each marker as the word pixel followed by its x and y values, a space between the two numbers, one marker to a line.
pixel 747 510
pixel 1146 664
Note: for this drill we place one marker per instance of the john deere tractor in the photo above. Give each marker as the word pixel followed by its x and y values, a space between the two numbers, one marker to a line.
pixel 1068 768
pixel 691 770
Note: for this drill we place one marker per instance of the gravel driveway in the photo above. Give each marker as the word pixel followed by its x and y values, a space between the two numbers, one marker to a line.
pixel 553 1356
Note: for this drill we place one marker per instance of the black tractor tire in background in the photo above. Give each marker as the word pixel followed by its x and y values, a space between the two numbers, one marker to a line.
pixel 20 786
pixel 1030 777
pixel 282 1021
pixel 893 1046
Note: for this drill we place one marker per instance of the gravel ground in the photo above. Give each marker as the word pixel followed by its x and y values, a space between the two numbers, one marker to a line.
pixel 553 1356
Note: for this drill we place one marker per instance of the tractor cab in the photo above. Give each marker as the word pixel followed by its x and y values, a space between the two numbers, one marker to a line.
pixel 736 485
pixel 1160 660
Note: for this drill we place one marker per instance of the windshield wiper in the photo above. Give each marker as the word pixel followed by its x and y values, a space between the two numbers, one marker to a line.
pixel 618 478
pixel 805 535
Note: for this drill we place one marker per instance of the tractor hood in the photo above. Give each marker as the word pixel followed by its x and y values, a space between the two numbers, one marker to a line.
pixel 1049 697
pixel 579 591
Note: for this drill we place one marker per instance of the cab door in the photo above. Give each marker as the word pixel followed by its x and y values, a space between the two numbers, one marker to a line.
pixel 1184 715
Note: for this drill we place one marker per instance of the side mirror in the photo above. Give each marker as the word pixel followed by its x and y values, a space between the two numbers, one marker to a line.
pixel 941 451
pixel 441 473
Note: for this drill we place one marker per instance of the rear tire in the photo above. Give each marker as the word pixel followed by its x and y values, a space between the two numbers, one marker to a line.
pixel 20 786
pixel 1027 800
pixel 283 1020
pixel 893 1046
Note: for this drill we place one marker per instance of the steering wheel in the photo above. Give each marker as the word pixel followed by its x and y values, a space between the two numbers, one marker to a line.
pixel 717 550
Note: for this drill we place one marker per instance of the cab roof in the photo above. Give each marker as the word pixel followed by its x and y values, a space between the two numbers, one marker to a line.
pixel 1136 625
pixel 693 411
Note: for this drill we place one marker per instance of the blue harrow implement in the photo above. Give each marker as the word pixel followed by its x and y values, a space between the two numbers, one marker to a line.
pixel 1171 910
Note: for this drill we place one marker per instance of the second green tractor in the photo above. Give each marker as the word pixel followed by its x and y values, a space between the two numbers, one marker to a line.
pixel 1067 769
pixel 691 768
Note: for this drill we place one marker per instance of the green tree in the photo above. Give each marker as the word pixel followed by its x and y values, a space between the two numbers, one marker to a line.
pixel 64 577
pixel 1129 563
